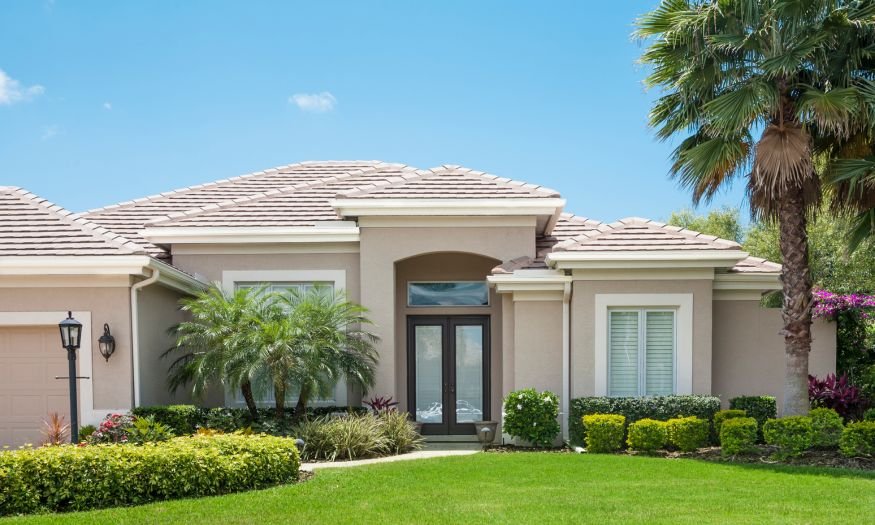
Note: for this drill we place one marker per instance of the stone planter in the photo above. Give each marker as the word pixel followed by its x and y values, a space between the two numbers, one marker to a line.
pixel 486 431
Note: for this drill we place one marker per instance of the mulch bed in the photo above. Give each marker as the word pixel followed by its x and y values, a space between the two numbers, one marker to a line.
pixel 762 456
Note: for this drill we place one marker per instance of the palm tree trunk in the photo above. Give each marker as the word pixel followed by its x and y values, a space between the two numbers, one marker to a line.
pixel 301 406
pixel 796 310
pixel 279 392
pixel 246 389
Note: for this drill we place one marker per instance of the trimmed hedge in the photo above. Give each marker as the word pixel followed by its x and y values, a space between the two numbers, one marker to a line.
pixel 687 434
pixel 738 435
pixel 858 440
pixel 723 416
pixel 761 408
pixel 604 432
pixel 184 420
pixel 793 435
pixel 647 435
pixel 71 478
pixel 826 426
pixel 635 408
pixel 869 415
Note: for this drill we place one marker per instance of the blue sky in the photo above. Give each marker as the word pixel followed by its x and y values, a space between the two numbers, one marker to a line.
pixel 106 101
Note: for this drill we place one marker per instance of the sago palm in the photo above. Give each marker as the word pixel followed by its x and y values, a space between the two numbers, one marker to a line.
pixel 758 89
pixel 221 327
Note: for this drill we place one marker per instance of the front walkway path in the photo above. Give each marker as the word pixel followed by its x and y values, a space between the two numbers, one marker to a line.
pixel 419 454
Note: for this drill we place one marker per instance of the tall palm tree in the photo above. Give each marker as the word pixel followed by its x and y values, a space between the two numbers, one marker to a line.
pixel 222 325
pixel 759 88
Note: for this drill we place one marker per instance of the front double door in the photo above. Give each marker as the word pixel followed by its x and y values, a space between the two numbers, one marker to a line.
pixel 448 372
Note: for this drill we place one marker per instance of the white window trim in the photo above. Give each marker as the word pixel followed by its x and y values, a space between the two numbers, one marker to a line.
pixel 338 277
pixel 642 346
pixel 88 415
pixel 681 303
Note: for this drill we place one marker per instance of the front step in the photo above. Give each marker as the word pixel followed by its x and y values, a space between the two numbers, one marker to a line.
pixel 451 439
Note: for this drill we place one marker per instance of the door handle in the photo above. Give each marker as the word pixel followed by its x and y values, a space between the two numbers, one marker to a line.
pixel 446 387
pixel 452 389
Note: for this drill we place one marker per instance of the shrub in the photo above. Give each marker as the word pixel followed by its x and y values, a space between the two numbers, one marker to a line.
pixel 85 432
pixel 836 393
pixel 858 439
pixel 113 429
pixel 826 427
pixel 724 415
pixel 687 434
pixel 761 408
pixel 183 420
pixel 532 416
pixel 337 438
pixel 738 435
pixel 647 435
pixel 399 432
pixel 69 478
pixel 147 430
pixel 792 435
pixel 869 415
pixel 604 432
pixel 635 408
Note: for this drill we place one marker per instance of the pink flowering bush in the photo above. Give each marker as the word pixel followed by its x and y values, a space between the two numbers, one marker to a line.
pixel 113 429
pixel 829 305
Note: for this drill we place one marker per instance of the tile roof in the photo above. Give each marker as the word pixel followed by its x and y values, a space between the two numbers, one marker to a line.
pixel 567 227
pixel 755 265
pixel 636 234
pixel 448 182
pixel 30 225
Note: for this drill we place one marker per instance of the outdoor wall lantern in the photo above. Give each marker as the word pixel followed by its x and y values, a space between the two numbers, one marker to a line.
pixel 71 337
pixel 106 343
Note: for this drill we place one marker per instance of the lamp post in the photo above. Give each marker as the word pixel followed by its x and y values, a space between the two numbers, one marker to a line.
pixel 71 337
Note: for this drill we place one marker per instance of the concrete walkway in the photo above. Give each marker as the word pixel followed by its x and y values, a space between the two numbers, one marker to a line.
pixel 419 454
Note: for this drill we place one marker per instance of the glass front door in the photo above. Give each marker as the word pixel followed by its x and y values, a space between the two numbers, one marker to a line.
pixel 448 372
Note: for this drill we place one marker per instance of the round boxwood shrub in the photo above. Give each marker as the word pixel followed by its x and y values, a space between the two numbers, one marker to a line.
pixel 71 478
pixel 724 415
pixel 647 435
pixel 532 416
pixel 687 433
pixel 858 439
pixel 826 427
pixel 761 408
pixel 792 435
pixel 604 432
pixel 869 415
pixel 738 435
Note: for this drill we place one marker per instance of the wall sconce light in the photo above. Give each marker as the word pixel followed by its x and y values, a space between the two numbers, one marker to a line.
pixel 106 343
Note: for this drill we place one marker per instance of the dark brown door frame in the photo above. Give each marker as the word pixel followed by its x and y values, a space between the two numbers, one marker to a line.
pixel 448 324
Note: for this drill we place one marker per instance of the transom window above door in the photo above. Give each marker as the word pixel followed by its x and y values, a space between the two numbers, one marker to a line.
pixel 641 352
pixel 448 293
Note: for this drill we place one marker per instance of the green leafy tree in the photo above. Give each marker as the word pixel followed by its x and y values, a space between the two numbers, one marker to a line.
pixel 724 223
pixel 796 73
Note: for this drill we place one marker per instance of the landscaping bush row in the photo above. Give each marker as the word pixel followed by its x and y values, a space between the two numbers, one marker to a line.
pixel 357 436
pixel 604 433
pixel 186 419
pixel 634 408
pixel 69 478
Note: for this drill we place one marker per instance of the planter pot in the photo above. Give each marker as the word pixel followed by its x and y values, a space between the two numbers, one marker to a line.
pixel 486 431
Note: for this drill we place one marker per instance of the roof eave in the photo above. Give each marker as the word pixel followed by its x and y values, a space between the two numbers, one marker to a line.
pixel 540 206
pixel 168 235
pixel 641 259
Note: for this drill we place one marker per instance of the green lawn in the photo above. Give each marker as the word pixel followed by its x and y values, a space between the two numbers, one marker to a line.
pixel 529 488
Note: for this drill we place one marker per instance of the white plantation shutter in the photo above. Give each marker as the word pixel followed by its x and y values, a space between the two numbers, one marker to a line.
pixel 623 349
pixel 659 340
pixel 641 352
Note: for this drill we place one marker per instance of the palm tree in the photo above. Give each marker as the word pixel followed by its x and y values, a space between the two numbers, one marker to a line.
pixel 798 74
pixel 312 339
pixel 222 326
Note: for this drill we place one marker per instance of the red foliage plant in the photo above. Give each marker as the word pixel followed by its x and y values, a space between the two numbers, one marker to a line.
pixel 836 393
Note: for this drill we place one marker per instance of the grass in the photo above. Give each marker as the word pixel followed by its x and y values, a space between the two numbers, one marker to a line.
pixel 528 488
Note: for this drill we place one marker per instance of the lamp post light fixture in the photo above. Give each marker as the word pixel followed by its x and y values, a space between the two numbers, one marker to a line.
pixel 106 343
pixel 71 337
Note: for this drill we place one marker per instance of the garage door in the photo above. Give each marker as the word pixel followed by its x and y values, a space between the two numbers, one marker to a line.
pixel 30 359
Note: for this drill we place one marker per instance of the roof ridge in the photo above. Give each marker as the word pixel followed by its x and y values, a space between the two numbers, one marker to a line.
pixel 65 215
pixel 421 174
pixel 216 183
pixel 230 203
pixel 586 221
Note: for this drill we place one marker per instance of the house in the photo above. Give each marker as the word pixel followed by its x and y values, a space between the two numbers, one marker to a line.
pixel 478 285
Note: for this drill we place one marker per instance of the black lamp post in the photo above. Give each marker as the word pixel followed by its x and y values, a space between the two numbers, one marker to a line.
pixel 71 337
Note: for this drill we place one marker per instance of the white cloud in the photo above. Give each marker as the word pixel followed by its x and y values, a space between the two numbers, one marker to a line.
pixel 11 90
pixel 107 106
pixel 314 102
pixel 50 131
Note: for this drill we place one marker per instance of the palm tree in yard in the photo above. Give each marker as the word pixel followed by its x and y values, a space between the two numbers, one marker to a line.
pixel 759 89
pixel 220 327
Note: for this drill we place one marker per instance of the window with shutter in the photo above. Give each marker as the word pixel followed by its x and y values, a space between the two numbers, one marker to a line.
pixel 641 352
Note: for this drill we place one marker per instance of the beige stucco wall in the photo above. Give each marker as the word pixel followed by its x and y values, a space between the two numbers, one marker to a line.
pixel 537 361
pixel 583 326
pixel 446 267
pixel 749 352
pixel 382 247
pixel 112 381
pixel 158 310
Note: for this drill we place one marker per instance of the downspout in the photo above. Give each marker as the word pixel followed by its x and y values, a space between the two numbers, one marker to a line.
pixel 565 398
pixel 135 331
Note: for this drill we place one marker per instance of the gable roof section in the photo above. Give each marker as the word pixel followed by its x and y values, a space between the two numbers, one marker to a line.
pixel 636 234
pixel 30 225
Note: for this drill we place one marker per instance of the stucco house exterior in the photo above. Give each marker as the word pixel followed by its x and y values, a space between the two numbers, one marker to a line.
pixel 478 285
